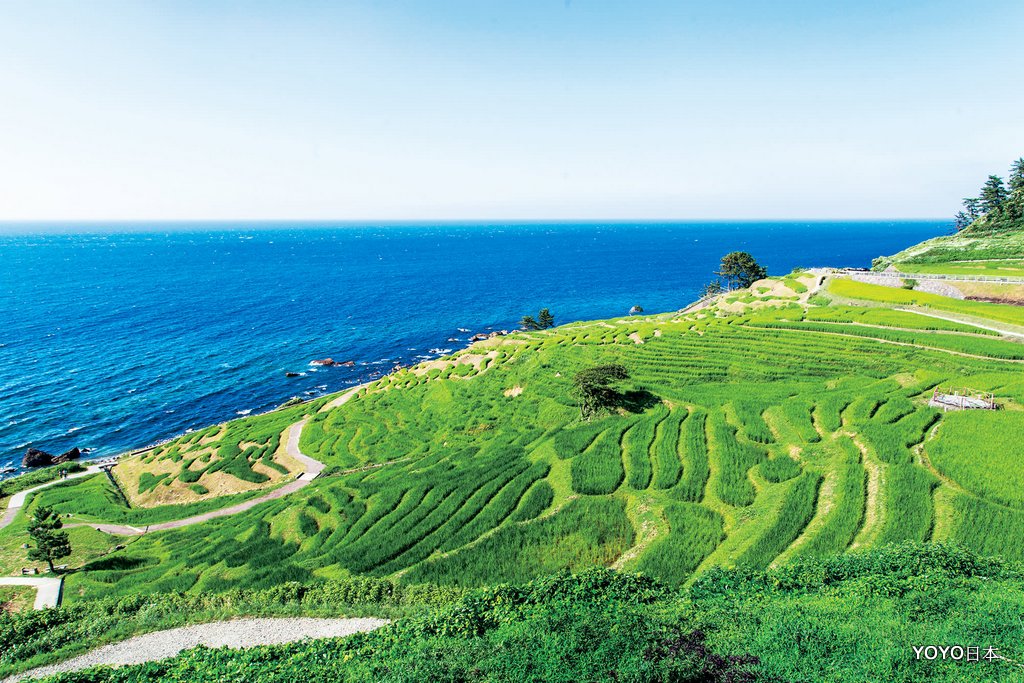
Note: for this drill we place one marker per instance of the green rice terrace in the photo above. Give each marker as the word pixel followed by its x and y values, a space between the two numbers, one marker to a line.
pixel 766 428
pixel 784 425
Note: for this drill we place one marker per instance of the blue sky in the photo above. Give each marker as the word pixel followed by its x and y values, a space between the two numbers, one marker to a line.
pixel 518 109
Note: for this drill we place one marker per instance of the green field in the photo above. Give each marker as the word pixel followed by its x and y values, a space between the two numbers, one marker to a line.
pixel 751 435
pixel 850 289
pixel 853 618
pixel 992 268
pixel 745 439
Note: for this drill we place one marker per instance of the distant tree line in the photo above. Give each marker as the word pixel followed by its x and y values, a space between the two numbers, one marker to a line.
pixel 999 205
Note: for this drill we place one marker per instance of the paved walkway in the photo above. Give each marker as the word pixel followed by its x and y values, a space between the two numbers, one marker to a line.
pixel 47 589
pixel 17 501
pixel 238 633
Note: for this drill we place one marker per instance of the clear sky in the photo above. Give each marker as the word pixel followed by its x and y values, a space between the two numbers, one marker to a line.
pixel 460 109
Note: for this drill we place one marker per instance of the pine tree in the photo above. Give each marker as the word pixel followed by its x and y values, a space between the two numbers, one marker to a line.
pixel 973 207
pixel 993 194
pixel 545 319
pixel 50 543
pixel 528 323
pixel 961 221
pixel 741 270
pixel 1016 180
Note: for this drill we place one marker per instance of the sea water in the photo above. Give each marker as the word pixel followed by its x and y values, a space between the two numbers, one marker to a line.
pixel 116 336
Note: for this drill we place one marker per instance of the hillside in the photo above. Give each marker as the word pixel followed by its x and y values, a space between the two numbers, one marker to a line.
pixel 771 426
pixel 857 617
pixel 989 229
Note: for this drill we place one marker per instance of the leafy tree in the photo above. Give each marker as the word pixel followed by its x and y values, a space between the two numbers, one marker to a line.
pixel 993 194
pixel 740 269
pixel 545 319
pixel 710 289
pixel 594 388
pixel 50 543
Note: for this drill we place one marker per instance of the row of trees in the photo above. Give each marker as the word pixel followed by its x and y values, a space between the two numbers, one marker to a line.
pixel 999 202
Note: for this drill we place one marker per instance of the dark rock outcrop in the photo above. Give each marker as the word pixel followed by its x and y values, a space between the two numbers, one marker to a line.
pixel 73 454
pixel 36 458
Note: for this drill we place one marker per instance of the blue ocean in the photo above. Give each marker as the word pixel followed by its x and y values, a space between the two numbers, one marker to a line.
pixel 114 337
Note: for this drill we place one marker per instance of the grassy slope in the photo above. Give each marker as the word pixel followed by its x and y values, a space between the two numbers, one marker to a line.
pixel 854 618
pixel 979 241
pixel 762 434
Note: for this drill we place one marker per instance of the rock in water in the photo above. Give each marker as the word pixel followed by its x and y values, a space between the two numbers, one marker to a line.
pixel 36 458
pixel 73 454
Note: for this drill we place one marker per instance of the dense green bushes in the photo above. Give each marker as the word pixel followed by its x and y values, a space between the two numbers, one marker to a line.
pixel 34 637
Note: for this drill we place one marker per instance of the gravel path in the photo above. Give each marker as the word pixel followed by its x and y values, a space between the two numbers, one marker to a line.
pixel 238 633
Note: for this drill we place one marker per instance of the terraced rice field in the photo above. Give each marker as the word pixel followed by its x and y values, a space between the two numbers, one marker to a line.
pixel 749 438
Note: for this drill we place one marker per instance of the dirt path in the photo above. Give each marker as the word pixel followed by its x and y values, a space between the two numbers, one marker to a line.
pixel 238 633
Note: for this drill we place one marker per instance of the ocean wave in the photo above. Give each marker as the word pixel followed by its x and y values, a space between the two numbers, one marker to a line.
pixel 243 412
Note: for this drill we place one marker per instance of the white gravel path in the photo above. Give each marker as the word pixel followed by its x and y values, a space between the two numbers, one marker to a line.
pixel 238 633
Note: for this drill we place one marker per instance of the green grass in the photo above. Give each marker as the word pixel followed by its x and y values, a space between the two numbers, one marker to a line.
pixel 976 449
pixel 991 268
pixel 847 618
pixel 731 447
pixel 892 295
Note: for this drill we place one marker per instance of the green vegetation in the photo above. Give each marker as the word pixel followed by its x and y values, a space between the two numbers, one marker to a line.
pixel 849 618
pixel 49 543
pixel 740 270
pixel 891 295
pixel 8 487
pixel 991 268
pixel 991 227
pixel 543 321
pixel 743 455
pixel 747 438
pixel 977 451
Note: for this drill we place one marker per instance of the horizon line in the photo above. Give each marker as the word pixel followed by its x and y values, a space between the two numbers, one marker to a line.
pixel 364 221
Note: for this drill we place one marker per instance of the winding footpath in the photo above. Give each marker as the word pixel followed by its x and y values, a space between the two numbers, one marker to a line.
pixel 49 589
pixel 237 633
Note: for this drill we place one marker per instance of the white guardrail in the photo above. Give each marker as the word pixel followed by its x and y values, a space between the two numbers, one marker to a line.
pixel 928 276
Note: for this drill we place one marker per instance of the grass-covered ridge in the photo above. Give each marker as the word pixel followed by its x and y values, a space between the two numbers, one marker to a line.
pixel 770 426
